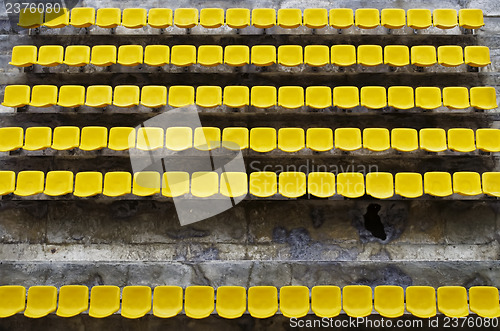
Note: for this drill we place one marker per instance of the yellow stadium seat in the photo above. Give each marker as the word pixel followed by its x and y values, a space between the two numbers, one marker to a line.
pixel 104 301
pixel 16 96
pixel 204 184
pixel 82 17
pixel 233 184
pixel 58 183
pixel 491 183
pixel 212 18
pixel 262 301
pixel 263 55
pixel 461 140
pixel 450 56
pixel 238 18
pixel 289 18
pixel 419 18
pixel 103 55
pixel 154 96
pixel 108 17
pixel 483 97
pixel 433 140
pixel 117 183
pixel 475 56
pixel 209 55
pixel 263 139
pixel 42 300
pixel 397 55
pixel 423 56
pixel 444 18
pixel 321 184
pixel 167 301
pixel 236 55
pixel 452 301
pixel 348 139
pixel 341 18
pixel 134 18
pixel 12 300
pixel 234 138
pixel 357 300
pixel 373 97
pixel 43 96
pixel 345 96
pixel 206 138
pixel 427 97
pixel 263 96
pixel 50 55
pixel 149 138
pixel 291 139
pixel 231 301
pixel 326 301
pixel 263 18
pixel 181 96
pixel 389 301
pixel 367 18
pixel 318 97
pixel 380 185
pixel 30 19
pixel 136 301
pixel 294 301
pixel 174 184
pixel 121 138
pixel 376 139
pixel 290 55
pixel 456 97
pixel 236 96
pixel 88 184
pixel 186 17
pixel 179 138
pixel 183 55
pixel 487 140
pixel 291 97
pixel 408 184
pixel 467 183
pixel 73 300
pixel 292 184
pixel 37 138
pixel 160 18
pixel 470 18
pixel 130 55
pixel 421 301
pixel 370 55
pixel 404 139
pixel 343 55
pixel 7 186
pixel 93 138
pixel 319 139
pixel 209 96
pixel 23 55
pixel 99 96
pixel 264 184
pixel 126 96
pixel 437 183
pixel 315 18
pixel 316 55
pixel 393 18
pixel 400 97
pixel 77 55
pixel 483 300
pixel 146 183
pixel 350 184
pixel 11 138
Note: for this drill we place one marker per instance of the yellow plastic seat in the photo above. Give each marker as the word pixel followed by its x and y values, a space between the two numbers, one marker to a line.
pixel 233 184
pixel 433 140
pixel 491 183
pixel 146 183
pixel 343 55
pixel 423 56
pixel 452 301
pixel 318 97
pixel 428 97
pixel 30 19
pixel 347 139
pixel 376 139
pixel 291 139
pixel 345 97
pixel 88 184
pixel 73 300
pixel 23 55
pixel 292 184
pixel 204 184
pixel 12 300
pixel 16 96
pixel 444 18
pixel 212 18
pixel 263 139
pixel 231 301
pixel 82 17
pixel 370 55
pixel 175 184
pixel 156 55
pixel 167 301
pixel 373 97
pixel 321 184
pixel 121 138
pixel 103 55
pixel 326 301
pixel 470 18
pixel 450 56
pixel 315 18
pixel 126 96
pixel 209 96
pixel 294 301
pixel 357 300
pixel 37 138
pixel 55 20
pixel 206 138
pixel 380 185
pixel 93 138
pixel 421 301
pixel 66 137
pixel 29 183
pixel 117 183
pixel 186 17
pixel 237 96
pixel 475 56
pixel 136 301
pixel 238 18
pixel 264 184
pixel 404 139
pixel 389 301
pixel 483 97
pixel 291 97
pixel 316 55
pixel 178 138
pixel 408 184
pixel 319 139
pixel 160 18
pixel 263 55
pixel 397 55
pixel 400 97
pixel 134 18
pixel 483 300
pixel 209 55
pixel 99 96
pixel 351 185
pixel 150 138
pixel 43 96
pixel 290 55
pixel 104 301
pixel 154 96
pixel 262 301
pixel 77 55
pixel 289 18
pixel 341 18
pixel 7 186
pixel 183 55
pixel 456 97
pixel 393 18
pixel 236 55
pixel 461 140
pixel 50 55
pixel 437 183
pixel 58 183
pixel 487 140
pixel 108 17
pixel 263 96
pixel 419 18
pixel 367 18
pixel 11 138
pixel 235 138
pixel 130 55
pixel 42 300
pixel 263 18
pixel 181 96
pixel 467 183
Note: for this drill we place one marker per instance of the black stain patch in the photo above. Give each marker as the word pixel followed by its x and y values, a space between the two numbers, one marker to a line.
pixel 373 223
pixel 317 217
pixel 380 222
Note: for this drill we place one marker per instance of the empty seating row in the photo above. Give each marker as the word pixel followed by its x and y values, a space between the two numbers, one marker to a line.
pixel 289 97
pixel 203 184
pixel 260 301
pixel 260 55
pixel 260 139
pixel 237 18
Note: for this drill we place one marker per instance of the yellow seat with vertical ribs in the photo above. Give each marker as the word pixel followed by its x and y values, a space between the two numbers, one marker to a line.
pixel 437 183
pixel 290 55
pixel 236 96
pixel 16 96
pixel 370 55
pixel 262 301
pixel 467 183
pixel 103 55
pixel 318 97
pixel 351 184
pixel 104 301
pixel 292 184
pixel 134 18
pixel 321 184
pixel 209 55
pixel 12 300
pixel 263 96
pixel 341 18
pixel 400 97
pixel 421 301
pixel 183 55
pixel 77 55
pixel 130 55
pixel 456 97
pixel 136 301
pixel 88 184
pixel 167 301
pixel 29 183
pixel 263 184
pixel 108 17
pixel 7 186
pixel 121 138
pixel 461 140
pixel 42 300
pixel 150 138
pixel 204 184
pixel 263 55
pixel 99 96
pixel 126 96
pixel 319 139
pixel 367 18
pixel 483 300
pixel 160 18
pixel 263 18
pixel 428 97
pixel 233 184
pixel 345 96
pixel 211 18
pixel 175 184
pixel 348 139
pixel 181 96
pixel 419 18
pixel 291 139
pixel 389 301
pixel 156 55
pixel 433 140
pixel 238 18
pixel 231 301
pixel 444 18
pixel 289 18
pixel 263 139
pixel 154 96
pixel 291 97
pixel 393 18
pixel 37 138
pixel 30 19
pixel 343 55
pixel 236 55
pixel 475 56
pixel 404 139
pixel 146 183
pixel 178 138
pixel 316 55
pixel 357 300
pixel 376 139
pixel 315 18
pixel 186 17
pixel 491 183
pixel 423 55
pixel 373 97
pixel 408 184
pixel 470 18
pixel 209 96
pixel 50 55
pixel 294 301
pixel 82 17
pixel 235 138
pixel 483 97
pixel 452 301
pixel 93 138
pixel 58 183
pixel 206 138
pixel 397 55
pixel 43 96
pixel 487 140
pixel 326 301
pixel 23 55
pixel 380 185
pixel 11 138
pixel 117 183
pixel 450 56
pixel 73 300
